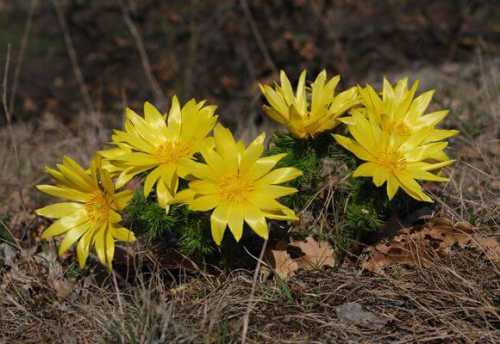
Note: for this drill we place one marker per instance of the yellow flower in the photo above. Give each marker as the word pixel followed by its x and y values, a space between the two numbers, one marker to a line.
pixel 399 112
pixel 310 111
pixel 240 185
pixel 393 160
pixel 91 218
pixel 161 145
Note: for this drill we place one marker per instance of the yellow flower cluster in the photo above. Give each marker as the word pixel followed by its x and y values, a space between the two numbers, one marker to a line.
pixel 238 183
pixel 399 143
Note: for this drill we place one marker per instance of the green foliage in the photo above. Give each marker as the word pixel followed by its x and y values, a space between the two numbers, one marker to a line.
pixel 306 155
pixel 356 207
pixel 181 228
pixel 148 217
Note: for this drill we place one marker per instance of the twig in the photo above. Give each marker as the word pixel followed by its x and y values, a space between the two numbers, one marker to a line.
pixel 119 299
pixel 73 57
pixel 258 37
pixel 192 53
pixel 139 42
pixel 12 236
pixel 8 119
pixel 251 301
pixel 22 51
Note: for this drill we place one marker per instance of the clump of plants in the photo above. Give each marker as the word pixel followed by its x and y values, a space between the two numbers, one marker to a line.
pixel 203 192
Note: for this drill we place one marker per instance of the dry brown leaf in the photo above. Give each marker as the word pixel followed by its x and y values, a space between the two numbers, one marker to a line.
pixel 489 246
pixel 418 246
pixel 316 254
pixel 284 266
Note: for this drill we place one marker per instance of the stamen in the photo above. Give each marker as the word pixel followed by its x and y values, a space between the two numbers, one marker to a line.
pixel 392 160
pixel 98 208
pixel 235 188
pixel 170 152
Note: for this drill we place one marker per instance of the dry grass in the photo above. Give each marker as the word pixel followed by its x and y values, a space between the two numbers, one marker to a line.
pixel 456 300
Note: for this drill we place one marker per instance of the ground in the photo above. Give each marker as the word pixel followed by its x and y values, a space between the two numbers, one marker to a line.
pixel 454 298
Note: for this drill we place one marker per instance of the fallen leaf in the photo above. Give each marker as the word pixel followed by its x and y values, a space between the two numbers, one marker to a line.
pixel 316 254
pixel 311 255
pixel 419 246
pixel 353 312
pixel 489 246
pixel 284 265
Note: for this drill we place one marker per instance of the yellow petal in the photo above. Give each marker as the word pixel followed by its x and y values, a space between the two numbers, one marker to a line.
pixel 107 183
pixel 75 179
pixel 64 192
pixel 128 174
pixel 263 165
pixel 420 174
pixel 58 210
pixel 419 105
pixel 440 134
pixel 280 175
pixel 279 212
pixel 365 170
pixel 100 243
pixel 433 118
pixel 218 222
pixel 203 187
pixel 122 198
pixel 163 194
pixel 153 116
pixel 426 151
pixel 216 162
pixel 392 186
pixel 380 175
pixel 142 130
pixel 110 248
pixel 275 115
pixel 353 147
pixel 204 203
pixel 150 180
pixel 123 234
pixel 286 87
pixel 276 191
pixel 65 224
pixel 235 221
pixel 301 96
pixel 185 196
pixel 226 146
pixel 83 247
pixel 412 188
pixel 252 153
pixel 72 236
pixel 275 99
pixel 138 159
pixel 256 220
pixel 77 169
pixel 429 167
pixel 174 117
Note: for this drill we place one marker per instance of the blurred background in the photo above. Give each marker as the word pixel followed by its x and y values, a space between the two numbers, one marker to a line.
pixel 71 66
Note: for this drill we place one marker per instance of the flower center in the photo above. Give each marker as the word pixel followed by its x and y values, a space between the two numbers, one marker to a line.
pixel 98 208
pixel 392 160
pixel 170 152
pixel 234 188
pixel 399 128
